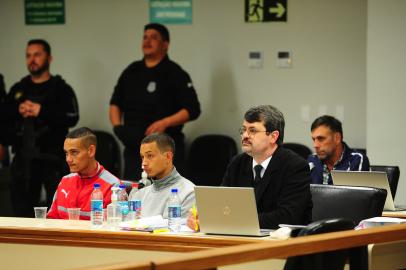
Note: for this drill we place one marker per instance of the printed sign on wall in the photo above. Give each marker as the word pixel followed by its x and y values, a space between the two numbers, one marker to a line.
pixel 266 10
pixel 44 11
pixel 170 11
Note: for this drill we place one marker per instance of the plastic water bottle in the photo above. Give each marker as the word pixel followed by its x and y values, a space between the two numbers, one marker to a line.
pixel 123 202
pixel 114 214
pixel 144 182
pixel 134 203
pixel 174 211
pixel 96 214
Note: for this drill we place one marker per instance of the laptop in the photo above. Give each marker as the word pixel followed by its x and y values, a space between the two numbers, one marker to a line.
pixel 366 179
pixel 228 211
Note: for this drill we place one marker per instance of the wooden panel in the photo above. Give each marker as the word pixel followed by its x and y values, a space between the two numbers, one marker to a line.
pixel 283 249
pixel 387 256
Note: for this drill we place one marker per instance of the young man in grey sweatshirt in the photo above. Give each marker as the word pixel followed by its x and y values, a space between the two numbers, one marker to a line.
pixel 157 151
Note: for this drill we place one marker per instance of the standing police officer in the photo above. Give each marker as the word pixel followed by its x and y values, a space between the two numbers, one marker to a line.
pixel 40 109
pixel 152 95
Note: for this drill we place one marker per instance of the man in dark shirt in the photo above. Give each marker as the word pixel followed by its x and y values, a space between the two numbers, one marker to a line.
pixel 332 153
pixel 152 95
pixel 38 112
pixel 3 149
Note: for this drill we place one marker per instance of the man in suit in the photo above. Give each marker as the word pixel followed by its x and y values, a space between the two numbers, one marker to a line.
pixel 281 179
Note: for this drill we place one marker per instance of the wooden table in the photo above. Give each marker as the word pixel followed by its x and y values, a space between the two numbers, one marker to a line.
pixel 397 214
pixel 60 244
pixel 54 242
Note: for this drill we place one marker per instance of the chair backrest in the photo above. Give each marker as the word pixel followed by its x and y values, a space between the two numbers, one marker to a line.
pixel 334 260
pixel 300 149
pixel 393 174
pixel 349 202
pixel 108 152
pixel 208 158
pixel 360 150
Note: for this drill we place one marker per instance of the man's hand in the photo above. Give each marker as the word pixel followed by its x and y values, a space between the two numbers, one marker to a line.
pixel 157 126
pixel 23 110
pixel 29 109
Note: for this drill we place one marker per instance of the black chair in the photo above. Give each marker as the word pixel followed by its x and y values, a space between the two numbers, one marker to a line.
pixel 393 174
pixel 332 260
pixel 354 203
pixel 349 202
pixel 108 152
pixel 300 149
pixel 208 158
pixel 360 150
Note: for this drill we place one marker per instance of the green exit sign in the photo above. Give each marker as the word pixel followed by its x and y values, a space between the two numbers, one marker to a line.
pixel 44 12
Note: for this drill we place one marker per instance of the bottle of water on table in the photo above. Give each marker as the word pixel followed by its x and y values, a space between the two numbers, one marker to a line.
pixel 174 211
pixel 123 202
pixel 134 203
pixel 96 207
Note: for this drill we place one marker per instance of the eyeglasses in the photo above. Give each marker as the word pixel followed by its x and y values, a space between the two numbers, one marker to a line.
pixel 250 131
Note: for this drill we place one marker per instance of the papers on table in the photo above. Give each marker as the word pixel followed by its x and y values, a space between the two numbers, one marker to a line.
pixel 145 224
pixel 152 224
pixel 379 221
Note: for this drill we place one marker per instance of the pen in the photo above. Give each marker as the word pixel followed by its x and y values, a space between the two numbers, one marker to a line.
pixel 163 230
pixel 194 213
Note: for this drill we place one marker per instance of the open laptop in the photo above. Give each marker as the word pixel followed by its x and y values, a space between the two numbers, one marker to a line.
pixel 366 179
pixel 228 210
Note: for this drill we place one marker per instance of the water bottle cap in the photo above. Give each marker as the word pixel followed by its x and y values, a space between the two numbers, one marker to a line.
pixel 122 186
pixel 134 185
pixel 96 185
pixel 174 190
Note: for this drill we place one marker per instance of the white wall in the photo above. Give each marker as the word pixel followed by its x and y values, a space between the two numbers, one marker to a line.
pixel 386 86
pixel 327 39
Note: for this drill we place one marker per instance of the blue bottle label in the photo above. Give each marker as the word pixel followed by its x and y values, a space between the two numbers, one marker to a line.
pixel 134 205
pixel 96 205
pixel 174 211
pixel 124 207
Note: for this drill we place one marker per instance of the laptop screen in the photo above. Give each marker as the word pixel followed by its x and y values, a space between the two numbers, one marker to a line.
pixel 227 210
pixel 365 179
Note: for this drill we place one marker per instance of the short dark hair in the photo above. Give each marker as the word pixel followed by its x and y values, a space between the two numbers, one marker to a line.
pixel 271 116
pixel 85 134
pixel 163 141
pixel 329 121
pixel 43 43
pixel 160 28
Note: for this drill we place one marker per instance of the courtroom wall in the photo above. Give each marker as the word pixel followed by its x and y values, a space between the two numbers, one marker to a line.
pixel 386 86
pixel 327 40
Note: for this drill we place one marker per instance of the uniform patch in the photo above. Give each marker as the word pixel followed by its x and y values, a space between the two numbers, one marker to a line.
pixel 151 87
pixel 18 94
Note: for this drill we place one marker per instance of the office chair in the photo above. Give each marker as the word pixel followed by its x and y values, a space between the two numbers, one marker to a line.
pixel 393 174
pixel 349 202
pixel 360 150
pixel 332 260
pixel 108 152
pixel 300 149
pixel 208 158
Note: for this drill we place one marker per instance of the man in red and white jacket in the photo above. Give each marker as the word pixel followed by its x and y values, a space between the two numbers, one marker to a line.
pixel 75 189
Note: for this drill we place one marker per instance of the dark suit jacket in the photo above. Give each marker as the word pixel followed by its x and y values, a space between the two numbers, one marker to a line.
pixel 283 194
